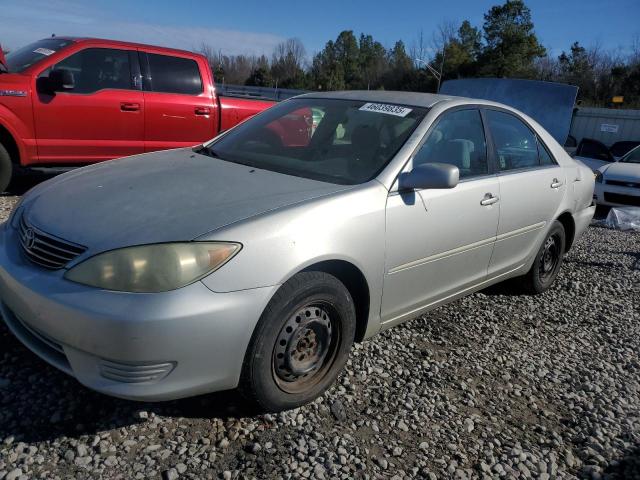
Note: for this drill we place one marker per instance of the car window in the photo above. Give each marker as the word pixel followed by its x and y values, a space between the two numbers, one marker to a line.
pixel 593 149
pixel 96 69
pixel 633 156
pixel 457 139
pixel 515 144
pixel 294 129
pixel 174 74
pixel 544 155
pixel 620 149
pixel 338 141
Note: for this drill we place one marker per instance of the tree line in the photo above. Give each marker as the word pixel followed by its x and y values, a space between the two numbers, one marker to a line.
pixel 504 46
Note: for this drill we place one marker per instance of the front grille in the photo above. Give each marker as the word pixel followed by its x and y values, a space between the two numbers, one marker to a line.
pixel 135 373
pixel 46 250
pixel 622 183
pixel 622 199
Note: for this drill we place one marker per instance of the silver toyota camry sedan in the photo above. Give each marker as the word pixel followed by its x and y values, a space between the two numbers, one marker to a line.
pixel 257 259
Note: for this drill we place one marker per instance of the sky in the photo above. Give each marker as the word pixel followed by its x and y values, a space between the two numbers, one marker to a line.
pixel 255 27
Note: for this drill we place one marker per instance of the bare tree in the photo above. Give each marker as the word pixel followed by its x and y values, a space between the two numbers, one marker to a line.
pixel 418 49
pixel 288 61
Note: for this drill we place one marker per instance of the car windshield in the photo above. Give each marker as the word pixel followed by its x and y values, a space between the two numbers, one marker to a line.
pixel 336 141
pixel 23 58
pixel 633 156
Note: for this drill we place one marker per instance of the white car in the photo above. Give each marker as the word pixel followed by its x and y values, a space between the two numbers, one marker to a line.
pixel 618 183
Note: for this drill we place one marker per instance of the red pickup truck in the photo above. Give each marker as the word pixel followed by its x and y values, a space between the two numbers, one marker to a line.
pixel 72 101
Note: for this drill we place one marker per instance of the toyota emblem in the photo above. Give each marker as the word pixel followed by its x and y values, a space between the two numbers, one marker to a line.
pixel 29 238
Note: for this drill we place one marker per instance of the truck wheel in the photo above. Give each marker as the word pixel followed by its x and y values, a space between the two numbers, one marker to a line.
pixel 547 263
pixel 300 344
pixel 6 169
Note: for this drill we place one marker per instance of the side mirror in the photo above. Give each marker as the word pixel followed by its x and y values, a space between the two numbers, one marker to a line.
pixel 61 80
pixel 430 175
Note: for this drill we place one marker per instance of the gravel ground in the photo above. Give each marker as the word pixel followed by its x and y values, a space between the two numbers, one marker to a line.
pixel 494 385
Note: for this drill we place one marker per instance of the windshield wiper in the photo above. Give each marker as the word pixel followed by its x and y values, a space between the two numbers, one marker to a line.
pixel 208 151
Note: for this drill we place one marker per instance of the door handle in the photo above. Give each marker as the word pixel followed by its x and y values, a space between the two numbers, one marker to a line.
pixel 129 107
pixel 202 111
pixel 556 183
pixel 488 199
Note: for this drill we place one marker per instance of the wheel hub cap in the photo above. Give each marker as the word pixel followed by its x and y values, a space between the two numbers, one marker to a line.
pixel 303 344
pixel 550 257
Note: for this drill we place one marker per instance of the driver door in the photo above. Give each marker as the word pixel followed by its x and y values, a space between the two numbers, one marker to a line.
pixel 101 118
pixel 439 242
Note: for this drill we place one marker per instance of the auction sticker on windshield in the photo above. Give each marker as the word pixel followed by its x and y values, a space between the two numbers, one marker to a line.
pixel 386 108
pixel 44 51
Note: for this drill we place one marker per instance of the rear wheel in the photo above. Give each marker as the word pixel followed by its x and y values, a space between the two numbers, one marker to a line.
pixel 6 169
pixel 300 344
pixel 547 263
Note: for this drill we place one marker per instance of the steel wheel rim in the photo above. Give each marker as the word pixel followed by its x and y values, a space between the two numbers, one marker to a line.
pixel 306 347
pixel 550 258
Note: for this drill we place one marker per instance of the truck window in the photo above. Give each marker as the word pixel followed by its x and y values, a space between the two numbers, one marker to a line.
pixel 174 75
pixel 23 58
pixel 98 69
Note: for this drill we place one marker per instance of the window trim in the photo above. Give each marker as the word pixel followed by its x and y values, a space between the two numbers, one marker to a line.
pixel 434 123
pixel 539 141
pixel 134 67
pixel 147 78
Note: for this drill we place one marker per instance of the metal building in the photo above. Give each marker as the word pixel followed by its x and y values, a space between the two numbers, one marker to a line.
pixel 607 125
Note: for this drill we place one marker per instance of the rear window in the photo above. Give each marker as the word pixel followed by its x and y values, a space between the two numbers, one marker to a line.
pixel 174 75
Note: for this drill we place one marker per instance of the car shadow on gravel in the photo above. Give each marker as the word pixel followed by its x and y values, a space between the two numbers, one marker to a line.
pixel 40 403
pixel 627 467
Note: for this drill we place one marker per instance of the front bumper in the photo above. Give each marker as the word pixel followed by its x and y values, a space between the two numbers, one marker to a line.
pixel 148 347
pixel 616 196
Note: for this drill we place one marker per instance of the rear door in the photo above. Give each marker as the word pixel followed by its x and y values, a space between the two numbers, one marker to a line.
pixel 532 186
pixel 101 118
pixel 179 107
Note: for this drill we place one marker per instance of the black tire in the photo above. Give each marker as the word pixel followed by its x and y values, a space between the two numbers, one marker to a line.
pixel 272 374
pixel 547 263
pixel 6 169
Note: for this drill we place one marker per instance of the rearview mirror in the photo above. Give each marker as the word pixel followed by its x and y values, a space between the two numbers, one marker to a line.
pixel 430 175
pixel 61 80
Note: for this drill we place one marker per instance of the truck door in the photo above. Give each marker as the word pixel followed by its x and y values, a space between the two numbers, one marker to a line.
pixel 101 117
pixel 179 108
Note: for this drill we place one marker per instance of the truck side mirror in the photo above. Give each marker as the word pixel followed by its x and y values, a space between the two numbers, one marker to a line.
pixel 430 175
pixel 59 80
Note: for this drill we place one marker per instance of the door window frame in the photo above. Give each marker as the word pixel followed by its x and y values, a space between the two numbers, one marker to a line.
pixel 488 145
pixel 147 80
pixel 134 70
pixel 490 139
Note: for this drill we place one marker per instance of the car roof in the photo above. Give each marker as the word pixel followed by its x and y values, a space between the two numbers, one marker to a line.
pixel 414 99
pixel 123 43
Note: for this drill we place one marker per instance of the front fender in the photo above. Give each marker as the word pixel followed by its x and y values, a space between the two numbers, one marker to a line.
pixel 347 226
pixel 21 132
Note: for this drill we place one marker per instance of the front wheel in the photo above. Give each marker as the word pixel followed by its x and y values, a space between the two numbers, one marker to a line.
pixel 6 169
pixel 547 263
pixel 300 344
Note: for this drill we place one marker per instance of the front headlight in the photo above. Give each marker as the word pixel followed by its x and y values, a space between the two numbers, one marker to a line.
pixel 598 175
pixel 153 268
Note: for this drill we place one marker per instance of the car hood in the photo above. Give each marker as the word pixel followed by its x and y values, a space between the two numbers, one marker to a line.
pixel 175 195
pixel 622 171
